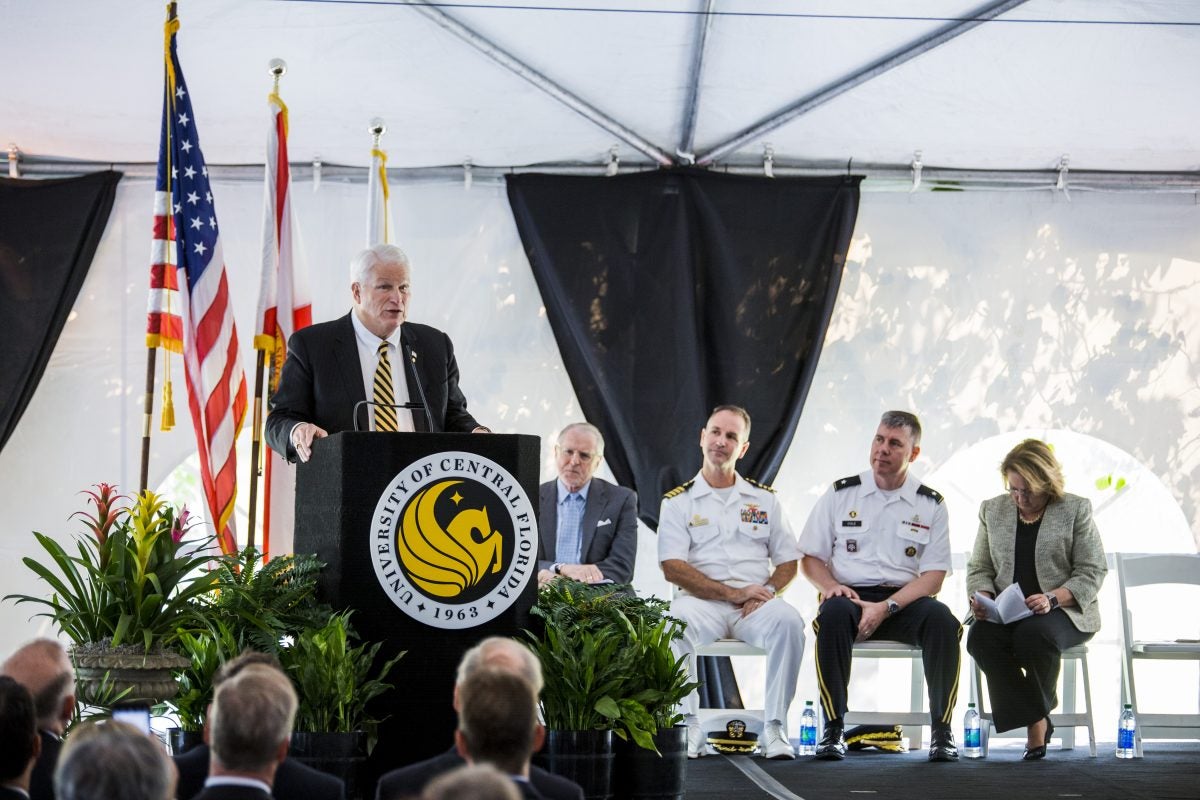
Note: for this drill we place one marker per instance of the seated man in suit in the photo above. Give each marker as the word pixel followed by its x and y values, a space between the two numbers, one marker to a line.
pixel 106 760
pixel 293 780
pixel 249 729
pixel 43 667
pixel 18 732
pixel 369 354
pixel 494 653
pixel 588 525
pixel 498 725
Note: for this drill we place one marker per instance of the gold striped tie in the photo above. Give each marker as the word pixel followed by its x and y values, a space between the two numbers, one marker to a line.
pixel 385 415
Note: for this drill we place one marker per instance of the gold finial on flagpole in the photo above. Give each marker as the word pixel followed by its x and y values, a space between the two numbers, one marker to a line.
pixel 277 67
pixel 378 127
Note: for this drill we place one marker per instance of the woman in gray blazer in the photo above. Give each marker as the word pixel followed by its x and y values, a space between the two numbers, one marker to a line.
pixel 1043 539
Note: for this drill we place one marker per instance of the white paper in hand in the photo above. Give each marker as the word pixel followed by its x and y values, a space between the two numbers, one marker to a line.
pixel 1008 607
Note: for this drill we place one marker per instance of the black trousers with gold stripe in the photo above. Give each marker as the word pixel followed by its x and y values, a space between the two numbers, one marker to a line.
pixel 925 622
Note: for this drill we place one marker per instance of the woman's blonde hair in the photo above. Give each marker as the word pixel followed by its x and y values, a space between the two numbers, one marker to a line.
pixel 1034 461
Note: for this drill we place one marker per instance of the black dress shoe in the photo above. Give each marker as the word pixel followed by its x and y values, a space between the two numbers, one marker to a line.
pixel 941 745
pixel 832 746
pixel 1039 752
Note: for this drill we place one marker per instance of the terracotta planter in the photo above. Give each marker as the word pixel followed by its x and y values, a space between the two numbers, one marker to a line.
pixel 148 676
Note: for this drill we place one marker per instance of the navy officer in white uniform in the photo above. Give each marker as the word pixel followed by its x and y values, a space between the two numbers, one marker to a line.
pixel 725 542
pixel 877 546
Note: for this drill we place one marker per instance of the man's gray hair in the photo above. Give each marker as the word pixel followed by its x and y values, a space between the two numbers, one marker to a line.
pixel 252 714
pixel 903 419
pixel 472 782
pixel 499 652
pixel 373 256
pixel 587 427
pixel 103 760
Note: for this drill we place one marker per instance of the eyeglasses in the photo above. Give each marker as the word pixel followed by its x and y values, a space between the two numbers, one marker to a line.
pixel 1026 493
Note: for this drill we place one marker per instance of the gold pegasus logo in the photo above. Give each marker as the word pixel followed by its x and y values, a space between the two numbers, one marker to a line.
pixel 444 562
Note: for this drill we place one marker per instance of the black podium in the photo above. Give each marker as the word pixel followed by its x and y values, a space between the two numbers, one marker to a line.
pixel 432 539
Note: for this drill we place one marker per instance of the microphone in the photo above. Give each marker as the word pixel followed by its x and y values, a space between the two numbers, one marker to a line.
pixel 411 359
pixel 361 403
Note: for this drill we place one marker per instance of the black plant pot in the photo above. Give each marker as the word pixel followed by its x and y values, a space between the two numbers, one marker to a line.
pixel 181 741
pixel 340 754
pixel 640 774
pixel 585 757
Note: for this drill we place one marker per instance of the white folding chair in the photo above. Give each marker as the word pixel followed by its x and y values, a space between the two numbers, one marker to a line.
pixel 915 718
pixel 730 647
pixel 1140 570
pixel 1074 659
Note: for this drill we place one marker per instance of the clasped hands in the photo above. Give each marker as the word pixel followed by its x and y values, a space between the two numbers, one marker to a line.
pixel 873 614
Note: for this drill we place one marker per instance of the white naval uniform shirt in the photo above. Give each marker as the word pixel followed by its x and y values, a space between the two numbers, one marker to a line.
pixel 869 538
pixel 736 541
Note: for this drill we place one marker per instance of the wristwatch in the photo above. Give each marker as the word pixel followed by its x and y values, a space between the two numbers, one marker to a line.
pixel 1053 598
pixel 893 607
pixel 556 569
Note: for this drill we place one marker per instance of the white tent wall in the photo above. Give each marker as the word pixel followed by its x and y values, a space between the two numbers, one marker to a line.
pixel 988 313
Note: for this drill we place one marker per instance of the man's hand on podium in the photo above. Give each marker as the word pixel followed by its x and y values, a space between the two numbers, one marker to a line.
pixel 302 438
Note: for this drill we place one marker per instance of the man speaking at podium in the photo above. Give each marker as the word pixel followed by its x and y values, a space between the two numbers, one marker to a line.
pixel 370 354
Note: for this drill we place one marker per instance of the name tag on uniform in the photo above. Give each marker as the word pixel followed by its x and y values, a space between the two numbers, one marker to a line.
pixel 852 523
pixel 697 521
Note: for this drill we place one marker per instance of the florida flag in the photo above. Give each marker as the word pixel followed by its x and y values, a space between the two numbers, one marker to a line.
pixel 190 310
pixel 284 307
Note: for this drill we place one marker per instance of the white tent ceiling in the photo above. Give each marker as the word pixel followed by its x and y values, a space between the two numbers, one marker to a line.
pixel 1112 84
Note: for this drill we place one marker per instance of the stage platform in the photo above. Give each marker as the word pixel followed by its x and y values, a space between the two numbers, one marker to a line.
pixel 1168 771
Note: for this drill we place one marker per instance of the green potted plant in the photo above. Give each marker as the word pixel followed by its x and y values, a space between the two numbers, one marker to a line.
pixel 257 606
pixel 125 598
pixel 335 681
pixel 608 669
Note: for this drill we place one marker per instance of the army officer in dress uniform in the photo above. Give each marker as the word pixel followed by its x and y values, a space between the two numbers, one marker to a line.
pixel 877 546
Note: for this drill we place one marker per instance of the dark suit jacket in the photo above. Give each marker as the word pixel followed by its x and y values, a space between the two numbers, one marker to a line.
pixel 609 529
pixel 41 783
pixel 293 780
pixel 409 781
pixel 10 794
pixel 322 379
pixel 232 793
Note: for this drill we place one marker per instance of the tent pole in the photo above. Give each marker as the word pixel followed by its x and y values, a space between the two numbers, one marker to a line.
pixel 523 70
pixel 703 23
pixel 869 72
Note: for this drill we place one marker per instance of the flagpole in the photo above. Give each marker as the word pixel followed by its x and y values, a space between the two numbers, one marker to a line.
pixel 147 416
pixel 275 68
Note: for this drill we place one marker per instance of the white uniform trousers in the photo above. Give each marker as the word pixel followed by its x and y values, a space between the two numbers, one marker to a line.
pixel 776 627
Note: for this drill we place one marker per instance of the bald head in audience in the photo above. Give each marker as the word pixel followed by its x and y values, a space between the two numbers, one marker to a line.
pixel 472 782
pixel 42 667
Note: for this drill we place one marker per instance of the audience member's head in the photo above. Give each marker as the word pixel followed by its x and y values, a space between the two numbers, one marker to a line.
pixel 497 721
pixel 250 722
pixel 499 652
pixel 43 667
pixel 107 760
pixel 243 660
pixel 18 733
pixel 472 782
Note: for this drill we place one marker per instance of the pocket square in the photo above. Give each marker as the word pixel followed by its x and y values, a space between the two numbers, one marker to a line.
pixel 603 522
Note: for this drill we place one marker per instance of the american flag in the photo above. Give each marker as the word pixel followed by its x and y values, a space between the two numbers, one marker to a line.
pixel 284 307
pixel 190 309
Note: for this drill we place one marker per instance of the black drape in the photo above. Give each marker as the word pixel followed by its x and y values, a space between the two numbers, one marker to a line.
pixel 49 230
pixel 670 292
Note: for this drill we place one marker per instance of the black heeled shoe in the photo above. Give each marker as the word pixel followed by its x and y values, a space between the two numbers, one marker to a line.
pixel 1039 752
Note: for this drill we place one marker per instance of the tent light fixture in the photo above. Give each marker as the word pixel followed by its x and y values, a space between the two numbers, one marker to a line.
pixel 685 158
pixel 768 160
pixel 316 173
pixel 468 179
pixel 614 161
pixel 14 157
pixel 916 171
pixel 1061 185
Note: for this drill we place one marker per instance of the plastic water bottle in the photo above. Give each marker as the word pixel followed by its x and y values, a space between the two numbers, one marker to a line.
pixel 1127 734
pixel 972 747
pixel 808 730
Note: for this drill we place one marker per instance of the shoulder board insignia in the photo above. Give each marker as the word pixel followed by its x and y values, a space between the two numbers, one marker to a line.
pixel 763 486
pixel 846 483
pixel 933 493
pixel 678 490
